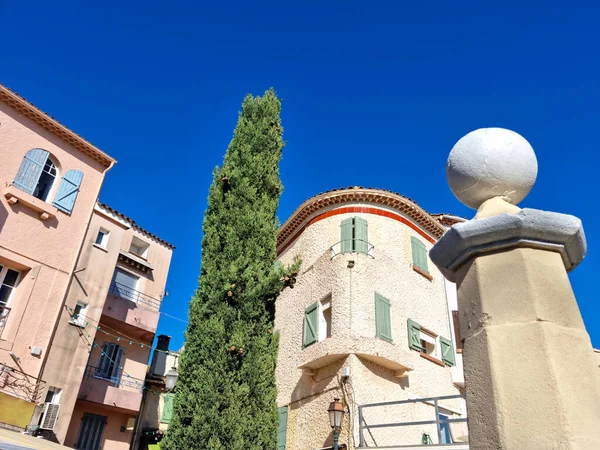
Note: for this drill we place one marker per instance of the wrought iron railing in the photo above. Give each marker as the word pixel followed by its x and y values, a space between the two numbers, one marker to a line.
pixel 4 312
pixel 128 293
pixel 115 377
pixel 20 384
pixel 363 426
pixel 352 246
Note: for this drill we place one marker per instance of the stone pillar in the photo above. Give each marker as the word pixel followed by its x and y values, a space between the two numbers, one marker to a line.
pixel 531 378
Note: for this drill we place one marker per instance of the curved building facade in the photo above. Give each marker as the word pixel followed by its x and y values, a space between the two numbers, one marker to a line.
pixel 367 321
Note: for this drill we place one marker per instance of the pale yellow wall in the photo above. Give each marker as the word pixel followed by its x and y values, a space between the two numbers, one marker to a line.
pixel 390 274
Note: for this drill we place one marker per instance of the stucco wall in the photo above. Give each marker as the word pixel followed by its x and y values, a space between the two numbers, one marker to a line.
pixel 93 276
pixel 389 272
pixel 43 251
pixel 114 438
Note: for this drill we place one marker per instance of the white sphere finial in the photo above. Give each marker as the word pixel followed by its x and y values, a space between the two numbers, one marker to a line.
pixel 491 162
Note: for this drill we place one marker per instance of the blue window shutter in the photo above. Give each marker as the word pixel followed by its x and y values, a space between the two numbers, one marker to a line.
pixel 346 244
pixel 31 168
pixel 311 324
pixel 361 236
pixel 67 191
pixel 282 428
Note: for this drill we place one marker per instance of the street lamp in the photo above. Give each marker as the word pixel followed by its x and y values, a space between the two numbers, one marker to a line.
pixel 336 416
pixel 171 379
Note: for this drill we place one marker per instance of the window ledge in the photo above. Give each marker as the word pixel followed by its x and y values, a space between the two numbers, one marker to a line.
pixel 439 362
pixel 100 247
pixel 422 272
pixel 76 324
pixel 15 195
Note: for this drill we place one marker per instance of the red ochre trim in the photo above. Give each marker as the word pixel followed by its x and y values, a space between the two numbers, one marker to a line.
pixel 358 209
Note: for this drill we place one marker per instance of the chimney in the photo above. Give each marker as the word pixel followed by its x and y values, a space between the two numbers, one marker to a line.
pixel 159 359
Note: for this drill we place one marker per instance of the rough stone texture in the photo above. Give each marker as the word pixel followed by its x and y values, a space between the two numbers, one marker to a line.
pixel 560 233
pixel 389 272
pixel 531 376
pixel 491 162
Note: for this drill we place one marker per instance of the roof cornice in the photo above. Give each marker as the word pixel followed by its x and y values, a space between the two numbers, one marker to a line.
pixel 53 126
pixel 307 210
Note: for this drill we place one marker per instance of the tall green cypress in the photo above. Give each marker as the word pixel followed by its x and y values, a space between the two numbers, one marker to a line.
pixel 225 396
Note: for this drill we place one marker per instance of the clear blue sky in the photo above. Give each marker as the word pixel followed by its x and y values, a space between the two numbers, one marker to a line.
pixel 374 94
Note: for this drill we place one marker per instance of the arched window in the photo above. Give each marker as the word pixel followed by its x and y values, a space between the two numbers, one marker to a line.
pixel 46 181
pixel 37 174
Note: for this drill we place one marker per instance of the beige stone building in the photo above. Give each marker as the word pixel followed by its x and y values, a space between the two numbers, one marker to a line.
pixel 369 320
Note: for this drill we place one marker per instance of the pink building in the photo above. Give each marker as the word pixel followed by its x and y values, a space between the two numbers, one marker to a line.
pixel 80 287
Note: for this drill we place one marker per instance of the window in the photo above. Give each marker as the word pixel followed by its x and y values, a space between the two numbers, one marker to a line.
pixel 37 176
pixel 109 363
pixel 139 247
pixel 444 429
pixel 419 254
pixel 46 180
pixel 102 238
pixel 51 407
pixel 428 343
pixel 383 320
pixel 91 432
pixel 53 395
pixel 325 319
pixel 124 284
pixel 354 235
pixel 8 282
pixel 78 317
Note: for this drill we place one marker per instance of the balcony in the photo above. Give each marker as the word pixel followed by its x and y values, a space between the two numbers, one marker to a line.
pixel 118 391
pixel 433 424
pixel 352 246
pixel 138 311
pixel 375 350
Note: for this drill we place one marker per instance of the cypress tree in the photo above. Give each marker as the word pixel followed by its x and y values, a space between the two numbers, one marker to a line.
pixel 225 396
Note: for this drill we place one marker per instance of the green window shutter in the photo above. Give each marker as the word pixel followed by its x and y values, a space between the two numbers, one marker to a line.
pixel 282 428
pixel 447 351
pixel 361 236
pixel 419 254
pixel 346 238
pixel 311 324
pixel 383 320
pixel 414 335
pixel 167 411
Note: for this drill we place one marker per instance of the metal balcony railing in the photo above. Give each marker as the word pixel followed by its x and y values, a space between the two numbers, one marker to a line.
pixel 20 384
pixel 352 246
pixel 135 296
pixel 115 377
pixel 439 423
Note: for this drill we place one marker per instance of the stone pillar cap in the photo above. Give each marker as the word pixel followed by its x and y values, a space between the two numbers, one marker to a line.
pixel 532 228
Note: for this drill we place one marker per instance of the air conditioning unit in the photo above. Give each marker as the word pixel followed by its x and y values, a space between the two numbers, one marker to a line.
pixel 50 416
